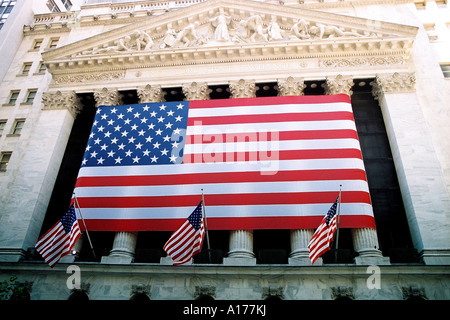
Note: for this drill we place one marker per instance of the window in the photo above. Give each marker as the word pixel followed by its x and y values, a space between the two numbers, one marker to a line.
pixel 42 68
pixel 18 126
pixel 441 3
pixel 420 4
pixel 4 160
pixel 67 4
pixel 2 126
pixel 26 68
pixel 51 5
pixel 13 97
pixel 30 96
pixel 445 67
pixel 37 44
pixel 53 43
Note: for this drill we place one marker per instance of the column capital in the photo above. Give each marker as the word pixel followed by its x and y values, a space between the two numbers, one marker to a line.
pixel 60 100
pixel 291 87
pixel 196 91
pixel 393 83
pixel 339 84
pixel 107 97
pixel 243 89
pixel 151 94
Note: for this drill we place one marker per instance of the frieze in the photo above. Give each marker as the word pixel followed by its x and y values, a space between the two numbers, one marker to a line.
pixel 361 61
pixel 88 77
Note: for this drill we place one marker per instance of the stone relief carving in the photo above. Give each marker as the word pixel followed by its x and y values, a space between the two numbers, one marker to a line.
pixel 85 77
pixel 169 37
pixel 220 24
pixel 357 62
pixel 224 28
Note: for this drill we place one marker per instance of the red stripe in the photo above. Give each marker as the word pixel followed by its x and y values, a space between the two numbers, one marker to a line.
pixel 221 177
pixel 195 104
pixel 223 199
pixel 235 223
pixel 269 136
pixel 217 157
pixel 278 117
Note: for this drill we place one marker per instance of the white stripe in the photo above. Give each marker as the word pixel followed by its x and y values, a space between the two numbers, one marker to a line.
pixel 199 128
pixel 289 210
pixel 223 188
pixel 247 166
pixel 270 109
pixel 265 146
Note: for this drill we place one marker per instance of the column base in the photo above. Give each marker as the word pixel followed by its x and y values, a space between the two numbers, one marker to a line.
pixel 300 257
pixel 239 261
pixel 117 259
pixel 167 261
pixel 371 257
pixel 70 258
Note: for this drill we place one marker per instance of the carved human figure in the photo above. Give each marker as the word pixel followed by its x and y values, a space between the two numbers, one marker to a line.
pixel 254 28
pixel 220 23
pixel 320 31
pixel 274 29
pixel 169 37
pixel 143 40
pixel 188 36
pixel 301 29
pixel 123 44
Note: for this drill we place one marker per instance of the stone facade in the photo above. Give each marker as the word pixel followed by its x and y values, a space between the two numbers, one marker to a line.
pixel 109 48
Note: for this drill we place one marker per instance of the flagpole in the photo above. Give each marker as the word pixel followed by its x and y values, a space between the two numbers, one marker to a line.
pixel 206 227
pixel 77 205
pixel 338 218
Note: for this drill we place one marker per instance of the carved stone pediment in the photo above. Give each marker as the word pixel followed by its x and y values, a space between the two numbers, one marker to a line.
pixel 233 31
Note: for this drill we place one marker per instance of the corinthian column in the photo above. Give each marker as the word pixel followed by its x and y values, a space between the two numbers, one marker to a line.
pixel 124 244
pixel 243 89
pixel 241 241
pixel 150 94
pixel 196 91
pixel 339 85
pixel 291 87
pixel 299 237
pixel 107 97
pixel 365 240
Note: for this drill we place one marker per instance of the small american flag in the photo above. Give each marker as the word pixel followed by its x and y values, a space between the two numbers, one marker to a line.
pixel 187 240
pixel 59 240
pixel 323 237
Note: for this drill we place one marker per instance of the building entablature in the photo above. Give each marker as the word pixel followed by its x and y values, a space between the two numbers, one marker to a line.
pixel 235 31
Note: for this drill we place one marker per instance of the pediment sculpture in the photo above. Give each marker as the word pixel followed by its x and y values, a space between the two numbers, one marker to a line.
pixel 223 29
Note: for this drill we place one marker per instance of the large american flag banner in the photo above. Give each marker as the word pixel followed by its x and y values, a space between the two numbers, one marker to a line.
pixel 263 163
